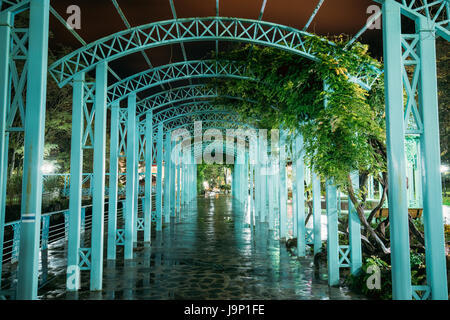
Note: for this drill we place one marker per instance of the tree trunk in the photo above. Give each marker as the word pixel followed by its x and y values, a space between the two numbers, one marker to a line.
pixel 362 218
pixel 384 184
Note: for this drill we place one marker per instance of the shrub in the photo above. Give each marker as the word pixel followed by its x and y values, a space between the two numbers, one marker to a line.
pixel 358 282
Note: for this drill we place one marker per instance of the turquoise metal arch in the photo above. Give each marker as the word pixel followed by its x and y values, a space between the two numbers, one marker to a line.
pixel 193 29
pixel 189 107
pixel 175 72
pixel 217 125
pixel 14 6
pixel 436 12
pixel 180 94
pixel 213 115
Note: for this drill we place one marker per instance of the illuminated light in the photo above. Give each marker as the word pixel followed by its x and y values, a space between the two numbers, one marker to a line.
pixel 48 168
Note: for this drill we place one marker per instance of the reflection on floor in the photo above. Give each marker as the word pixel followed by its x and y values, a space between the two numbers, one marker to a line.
pixel 212 253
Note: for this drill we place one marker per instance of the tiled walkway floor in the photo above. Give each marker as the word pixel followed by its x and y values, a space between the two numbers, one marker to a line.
pixel 211 254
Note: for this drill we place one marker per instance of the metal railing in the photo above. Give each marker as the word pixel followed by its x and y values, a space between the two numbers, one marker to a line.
pixel 54 234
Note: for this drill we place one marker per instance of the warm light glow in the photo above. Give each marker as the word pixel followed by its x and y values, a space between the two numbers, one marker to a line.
pixel 48 168
pixel 444 169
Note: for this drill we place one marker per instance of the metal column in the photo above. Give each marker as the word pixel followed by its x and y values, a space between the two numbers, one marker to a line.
pixel 263 177
pixel 148 177
pixel 354 229
pixel 98 197
pixel 113 181
pixel 317 212
pixel 76 185
pixel 167 173
pixel 300 181
pixel 33 150
pixel 172 181
pixel 332 234
pixel 395 141
pixel 129 214
pixel 5 40
pixel 283 186
pixel 136 182
pixel 432 185
pixel 159 176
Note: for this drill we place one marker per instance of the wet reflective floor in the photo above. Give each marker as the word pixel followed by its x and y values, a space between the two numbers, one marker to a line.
pixel 212 253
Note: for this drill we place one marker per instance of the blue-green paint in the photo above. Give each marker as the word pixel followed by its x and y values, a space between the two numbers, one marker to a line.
pixel 432 191
pixel 98 196
pixel 76 184
pixel 130 214
pixel 395 142
pixel 33 150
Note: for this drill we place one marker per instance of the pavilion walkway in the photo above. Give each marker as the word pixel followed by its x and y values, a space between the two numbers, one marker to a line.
pixel 211 254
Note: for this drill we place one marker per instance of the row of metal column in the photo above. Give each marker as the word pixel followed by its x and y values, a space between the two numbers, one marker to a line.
pixel 268 202
pixel 175 182
pixel 260 182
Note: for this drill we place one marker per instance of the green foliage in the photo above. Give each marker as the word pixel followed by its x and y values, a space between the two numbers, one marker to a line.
pixel 447 232
pixel 348 134
pixel 14 186
pixel 53 183
pixel 225 187
pixel 358 282
pixel 443 82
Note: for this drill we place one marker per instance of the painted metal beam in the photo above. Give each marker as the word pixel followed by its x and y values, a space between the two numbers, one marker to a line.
pixel 159 175
pixel 76 36
pixel 76 184
pixel 395 142
pixel 113 181
pixel 300 188
pixel 431 156
pixel 317 212
pixel 354 230
pixel 364 29
pixel 148 177
pixel 98 195
pixel 167 174
pixel 5 53
pixel 283 186
pixel 194 29
pixel 172 180
pixel 313 15
pixel 33 150
pixel 196 69
pixel 332 234
pixel 14 6
pixel 131 178
pixel 437 12
pixel 127 24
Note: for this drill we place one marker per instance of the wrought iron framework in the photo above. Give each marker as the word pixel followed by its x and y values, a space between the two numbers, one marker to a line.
pixel 194 29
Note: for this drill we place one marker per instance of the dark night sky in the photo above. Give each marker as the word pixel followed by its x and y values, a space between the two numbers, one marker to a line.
pixel 99 18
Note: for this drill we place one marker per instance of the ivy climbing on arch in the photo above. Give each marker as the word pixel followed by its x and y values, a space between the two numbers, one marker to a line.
pixel 342 124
